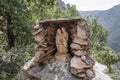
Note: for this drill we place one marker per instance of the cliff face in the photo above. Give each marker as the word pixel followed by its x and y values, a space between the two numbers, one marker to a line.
pixel 62 4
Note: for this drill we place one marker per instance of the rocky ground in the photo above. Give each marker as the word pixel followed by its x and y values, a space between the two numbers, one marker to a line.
pixel 56 70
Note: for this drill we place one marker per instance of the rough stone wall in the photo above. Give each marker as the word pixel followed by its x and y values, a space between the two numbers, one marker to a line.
pixel 44 35
pixel 82 64
pixel 44 66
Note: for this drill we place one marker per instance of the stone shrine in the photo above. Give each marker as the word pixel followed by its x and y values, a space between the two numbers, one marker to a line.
pixel 63 51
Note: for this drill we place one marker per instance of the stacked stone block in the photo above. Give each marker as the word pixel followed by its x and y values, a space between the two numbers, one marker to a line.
pixel 82 64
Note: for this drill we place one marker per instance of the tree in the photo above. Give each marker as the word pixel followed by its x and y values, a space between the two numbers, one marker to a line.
pixel 101 52
pixel 13 11
pixel 72 12
pixel 20 15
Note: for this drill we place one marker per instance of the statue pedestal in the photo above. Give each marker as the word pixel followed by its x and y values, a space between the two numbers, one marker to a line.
pixel 62 57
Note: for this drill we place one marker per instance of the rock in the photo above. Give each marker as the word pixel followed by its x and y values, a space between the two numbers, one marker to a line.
pixel 75 46
pixel 41 57
pixel 29 64
pixel 86 78
pixel 80 41
pixel 75 71
pixel 36 27
pixel 83 57
pixel 39 38
pixel 38 31
pixel 43 45
pixel 100 75
pixel 81 33
pixel 89 60
pixel 101 67
pixel 77 63
pixel 90 73
pixel 79 70
pixel 55 68
pixel 79 52
pixel 81 75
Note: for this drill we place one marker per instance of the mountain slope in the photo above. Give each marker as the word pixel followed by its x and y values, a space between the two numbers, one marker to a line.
pixel 110 19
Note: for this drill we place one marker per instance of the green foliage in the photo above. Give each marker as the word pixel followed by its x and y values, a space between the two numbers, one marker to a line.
pixel 100 33
pixel 20 20
pixel 101 52
pixel 72 12
pixel 106 56
pixel 118 54
pixel 15 58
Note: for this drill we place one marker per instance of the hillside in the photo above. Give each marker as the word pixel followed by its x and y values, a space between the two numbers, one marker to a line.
pixel 110 19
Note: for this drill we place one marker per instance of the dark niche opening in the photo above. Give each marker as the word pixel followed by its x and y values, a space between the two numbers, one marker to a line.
pixel 52 26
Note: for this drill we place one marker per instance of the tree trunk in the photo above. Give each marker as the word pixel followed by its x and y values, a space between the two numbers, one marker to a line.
pixel 10 34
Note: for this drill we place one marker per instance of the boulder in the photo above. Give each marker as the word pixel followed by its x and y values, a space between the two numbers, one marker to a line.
pixel 99 71
pixel 101 67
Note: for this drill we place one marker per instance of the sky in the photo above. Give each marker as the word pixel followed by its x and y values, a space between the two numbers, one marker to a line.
pixel 90 5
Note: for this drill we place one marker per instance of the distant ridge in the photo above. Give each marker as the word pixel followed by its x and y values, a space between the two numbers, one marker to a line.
pixel 110 19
